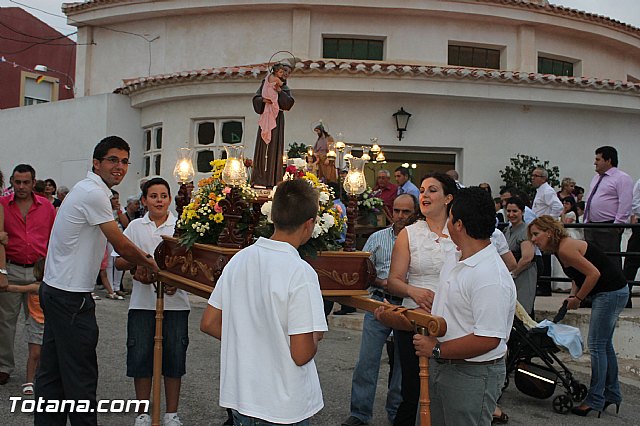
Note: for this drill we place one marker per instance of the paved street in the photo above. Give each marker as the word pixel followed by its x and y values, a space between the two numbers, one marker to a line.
pixel 335 360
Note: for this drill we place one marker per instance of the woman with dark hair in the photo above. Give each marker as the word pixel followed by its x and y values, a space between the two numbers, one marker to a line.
pixel 50 189
pixel 418 255
pixel 326 169
pixel 596 275
pixel 525 273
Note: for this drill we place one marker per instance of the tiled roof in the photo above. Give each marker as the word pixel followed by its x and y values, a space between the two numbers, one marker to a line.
pixel 535 5
pixel 382 69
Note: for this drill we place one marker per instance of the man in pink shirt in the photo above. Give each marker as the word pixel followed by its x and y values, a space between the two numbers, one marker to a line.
pixel 608 201
pixel 386 191
pixel 28 219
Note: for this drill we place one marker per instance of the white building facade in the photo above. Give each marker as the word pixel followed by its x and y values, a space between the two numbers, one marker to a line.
pixel 483 80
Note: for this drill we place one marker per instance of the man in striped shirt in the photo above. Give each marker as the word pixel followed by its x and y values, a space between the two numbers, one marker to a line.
pixel 375 334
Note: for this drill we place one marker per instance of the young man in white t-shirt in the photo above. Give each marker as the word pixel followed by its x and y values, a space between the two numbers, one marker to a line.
pixel 84 223
pixel 267 311
pixel 477 298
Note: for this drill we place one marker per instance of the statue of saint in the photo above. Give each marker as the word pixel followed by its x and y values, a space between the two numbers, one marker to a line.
pixel 267 157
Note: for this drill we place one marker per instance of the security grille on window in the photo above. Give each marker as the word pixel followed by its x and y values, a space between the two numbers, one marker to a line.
pixel 555 66
pixel 478 57
pixel 211 136
pixel 352 48
pixel 152 158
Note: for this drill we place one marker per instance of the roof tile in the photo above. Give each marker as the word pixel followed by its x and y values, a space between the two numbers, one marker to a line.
pixel 256 71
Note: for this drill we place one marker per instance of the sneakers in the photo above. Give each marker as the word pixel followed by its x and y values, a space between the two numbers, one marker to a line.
pixel 143 420
pixel 169 420
pixel 353 421
pixel 172 420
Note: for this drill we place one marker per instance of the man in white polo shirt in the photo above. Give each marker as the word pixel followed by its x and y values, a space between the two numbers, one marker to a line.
pixel 68 364
pixel 477 298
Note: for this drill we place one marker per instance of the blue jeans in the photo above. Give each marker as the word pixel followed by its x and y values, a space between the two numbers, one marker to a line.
pixel 242 420
pixel 365 374
pixel 605 309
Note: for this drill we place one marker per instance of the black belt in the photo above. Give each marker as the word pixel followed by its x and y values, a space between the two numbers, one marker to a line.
pixel 465 362
pixel 389 297
pixel 24 265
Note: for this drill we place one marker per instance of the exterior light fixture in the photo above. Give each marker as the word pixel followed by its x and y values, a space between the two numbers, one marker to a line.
pixel 44 68
pixel 402 120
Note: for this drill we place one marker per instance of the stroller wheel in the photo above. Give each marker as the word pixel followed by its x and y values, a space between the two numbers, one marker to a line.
pixel 580 393
pixel 562 404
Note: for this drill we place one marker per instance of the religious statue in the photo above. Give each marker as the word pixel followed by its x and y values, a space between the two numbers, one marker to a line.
pixel 267 157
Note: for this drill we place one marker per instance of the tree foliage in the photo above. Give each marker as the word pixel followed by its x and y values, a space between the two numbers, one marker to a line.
pixel 518 173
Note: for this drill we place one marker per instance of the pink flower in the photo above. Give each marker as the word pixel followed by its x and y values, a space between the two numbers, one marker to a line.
pixel 291 169
pixel 226 190
pixel 217 208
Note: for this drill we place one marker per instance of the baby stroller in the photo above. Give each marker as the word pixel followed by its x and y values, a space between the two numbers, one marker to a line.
pixel 539 379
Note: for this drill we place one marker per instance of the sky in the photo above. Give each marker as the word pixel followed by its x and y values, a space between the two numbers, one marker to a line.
pixel 627 11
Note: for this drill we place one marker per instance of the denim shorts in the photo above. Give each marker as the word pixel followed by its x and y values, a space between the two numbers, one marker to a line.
pixel 141 328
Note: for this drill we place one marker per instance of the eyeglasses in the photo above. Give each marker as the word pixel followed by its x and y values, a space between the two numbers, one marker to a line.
pixel 537 176
pixel 116 160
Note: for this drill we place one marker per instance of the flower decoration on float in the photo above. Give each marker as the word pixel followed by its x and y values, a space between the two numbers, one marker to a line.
pixel 329 223
pixel 203 220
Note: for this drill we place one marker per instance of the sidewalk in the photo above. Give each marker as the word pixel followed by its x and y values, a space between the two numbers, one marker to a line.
pixel 626 337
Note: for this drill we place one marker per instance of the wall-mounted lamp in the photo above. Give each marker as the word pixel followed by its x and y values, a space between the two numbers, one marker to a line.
pixel 44 68
pixel 402 120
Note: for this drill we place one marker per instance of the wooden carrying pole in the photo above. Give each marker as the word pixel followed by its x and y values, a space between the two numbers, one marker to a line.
pixel 424 323
pixel 157 356
pixel 425 402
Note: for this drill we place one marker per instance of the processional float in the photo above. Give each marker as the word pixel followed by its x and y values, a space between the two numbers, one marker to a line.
pixel 344 275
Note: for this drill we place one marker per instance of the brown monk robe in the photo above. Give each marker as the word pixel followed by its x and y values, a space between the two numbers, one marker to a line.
pixel 267 159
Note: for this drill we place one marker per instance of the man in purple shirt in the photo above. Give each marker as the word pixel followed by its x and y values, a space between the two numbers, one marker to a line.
pixel 608 201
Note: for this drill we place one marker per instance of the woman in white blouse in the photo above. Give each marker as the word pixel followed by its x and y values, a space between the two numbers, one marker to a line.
pixel 417 259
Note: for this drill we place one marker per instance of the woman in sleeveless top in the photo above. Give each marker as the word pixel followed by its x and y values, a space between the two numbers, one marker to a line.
pixel 525 273
pixel 595 275
pixel 418 255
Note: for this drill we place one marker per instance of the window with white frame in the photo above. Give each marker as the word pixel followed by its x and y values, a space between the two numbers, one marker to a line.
pixel 37 89
pixel 210 137
pixel 152 157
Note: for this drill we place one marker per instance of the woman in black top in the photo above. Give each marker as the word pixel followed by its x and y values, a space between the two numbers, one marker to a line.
pixel 595 275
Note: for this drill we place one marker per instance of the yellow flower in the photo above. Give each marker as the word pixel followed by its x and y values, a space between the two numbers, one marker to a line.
pixel 311 177
pixel 211 216
pixel 218 218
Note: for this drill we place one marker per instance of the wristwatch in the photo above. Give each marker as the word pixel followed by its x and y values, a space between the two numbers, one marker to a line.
pixel 435 353
pixel 3 271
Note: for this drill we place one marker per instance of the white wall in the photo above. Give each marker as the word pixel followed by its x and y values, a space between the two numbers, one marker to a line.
pixel 215 36
pixel 58 138
pixel 486 134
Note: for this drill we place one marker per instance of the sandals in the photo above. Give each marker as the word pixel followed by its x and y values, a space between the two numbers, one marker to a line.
pixel 95 296
pixel 27 389
pixel 114 296
pixel 502 419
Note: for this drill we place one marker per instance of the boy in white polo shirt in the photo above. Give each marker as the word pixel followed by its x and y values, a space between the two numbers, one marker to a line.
pixel 147 233
pixel 267 311
pixel 477 298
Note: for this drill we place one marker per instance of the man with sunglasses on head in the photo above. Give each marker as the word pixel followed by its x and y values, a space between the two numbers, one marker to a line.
pixel 84 223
